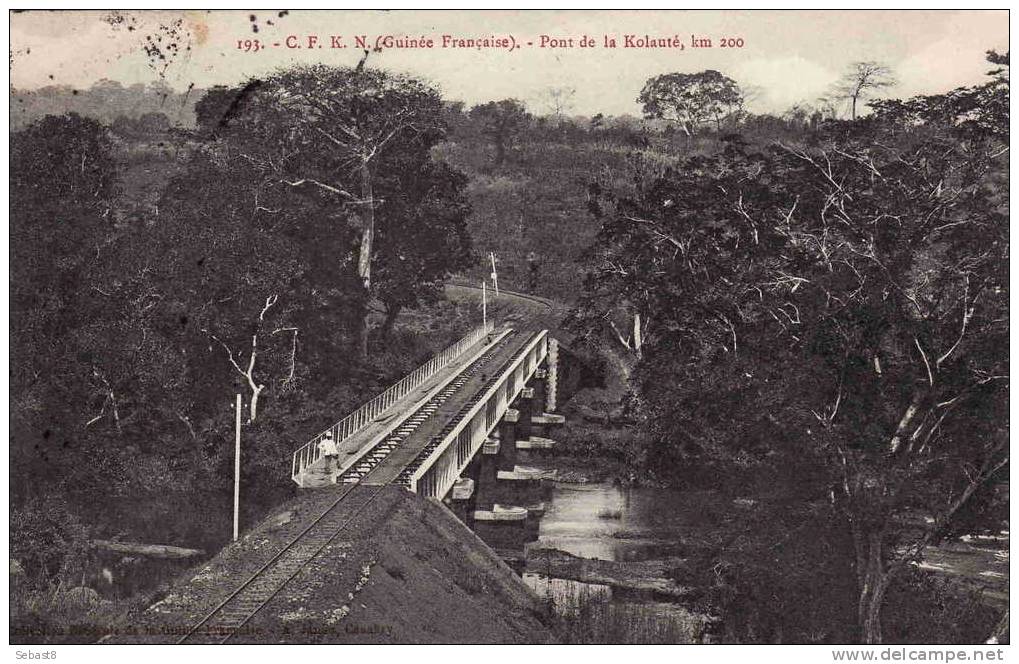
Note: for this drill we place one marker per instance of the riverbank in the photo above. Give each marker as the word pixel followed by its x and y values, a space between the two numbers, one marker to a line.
pixel 608 534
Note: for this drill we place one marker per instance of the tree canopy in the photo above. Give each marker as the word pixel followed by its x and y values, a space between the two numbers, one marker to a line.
pixel 351 139
pixel 500 122
pixel 844 304
pixel 861 80
pixel 691 100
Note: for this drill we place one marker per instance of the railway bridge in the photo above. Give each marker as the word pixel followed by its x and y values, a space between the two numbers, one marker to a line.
pixel 453 432
pixel 479 395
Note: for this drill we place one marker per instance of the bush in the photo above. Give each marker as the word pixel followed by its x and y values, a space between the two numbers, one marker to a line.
pixel 923 608
pixel 48 541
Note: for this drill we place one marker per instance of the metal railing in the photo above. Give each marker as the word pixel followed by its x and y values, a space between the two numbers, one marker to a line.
pixel 437 474
pixel 309 453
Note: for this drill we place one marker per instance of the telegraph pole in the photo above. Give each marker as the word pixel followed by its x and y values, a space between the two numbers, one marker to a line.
pixel 484 304
pixel 495 275
pixel 237 469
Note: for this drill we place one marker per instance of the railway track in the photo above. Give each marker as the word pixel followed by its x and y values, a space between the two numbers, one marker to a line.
pixel 543 301
pixel 403 479
pixel 233 613
pixel 390 443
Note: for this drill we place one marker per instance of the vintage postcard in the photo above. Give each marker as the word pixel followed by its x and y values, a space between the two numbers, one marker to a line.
pixel 510 327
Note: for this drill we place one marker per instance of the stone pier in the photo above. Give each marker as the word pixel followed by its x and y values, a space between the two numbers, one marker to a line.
pixel 500 495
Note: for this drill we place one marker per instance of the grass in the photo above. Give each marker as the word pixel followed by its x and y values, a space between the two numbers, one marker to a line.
pixel 589 617
pixel 471 579
pixel 71 616
pixel 625 624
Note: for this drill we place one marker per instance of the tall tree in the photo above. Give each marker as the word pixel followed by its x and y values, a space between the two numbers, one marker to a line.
pixel 862 80
pixel 423 235
pixel 560 99
pixel 501 121
pixel 691 99
pixel 327 129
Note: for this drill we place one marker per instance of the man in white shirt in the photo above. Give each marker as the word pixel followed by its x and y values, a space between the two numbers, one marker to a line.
pixel 330 452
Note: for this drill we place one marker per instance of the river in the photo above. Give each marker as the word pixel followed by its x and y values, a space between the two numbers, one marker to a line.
pixel 618 523
pixel 608 521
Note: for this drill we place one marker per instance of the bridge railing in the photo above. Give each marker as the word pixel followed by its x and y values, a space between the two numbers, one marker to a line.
pixel 309 453
pixel 436 476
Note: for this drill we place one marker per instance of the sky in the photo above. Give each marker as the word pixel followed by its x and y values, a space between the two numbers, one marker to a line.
pixel 789 56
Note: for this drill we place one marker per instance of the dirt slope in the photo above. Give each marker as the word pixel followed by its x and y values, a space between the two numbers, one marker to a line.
pixel 405 571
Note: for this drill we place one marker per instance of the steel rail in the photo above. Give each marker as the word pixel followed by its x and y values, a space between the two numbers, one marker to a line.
pixel 248 613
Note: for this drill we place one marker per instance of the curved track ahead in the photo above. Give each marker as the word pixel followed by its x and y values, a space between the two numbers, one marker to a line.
pixel 543 301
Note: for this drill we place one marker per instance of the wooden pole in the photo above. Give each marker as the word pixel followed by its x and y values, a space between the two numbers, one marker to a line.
pixel 495 275
pixel 237 469
pixel 484 304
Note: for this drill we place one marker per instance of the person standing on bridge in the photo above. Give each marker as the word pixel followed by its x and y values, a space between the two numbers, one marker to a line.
pixel 327 447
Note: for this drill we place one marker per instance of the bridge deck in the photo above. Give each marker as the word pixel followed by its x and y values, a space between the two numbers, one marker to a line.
pixel 315 475
pixel 396 461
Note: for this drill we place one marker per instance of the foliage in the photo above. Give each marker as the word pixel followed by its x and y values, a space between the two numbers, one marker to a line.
pixel 423 234
pixel 48 541
pixel 501 121
pixel 133 333
pixel 62 182
pixel 104 102
pixel 922 608
pixel 350 138
pixel 974 112
pixel 691 99
pixel 861 80
pixel 781 575
pixel 218 106
pixel 845 306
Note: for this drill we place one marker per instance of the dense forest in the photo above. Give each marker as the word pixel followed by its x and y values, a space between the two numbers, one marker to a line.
pixel 811 310
pixel 825 321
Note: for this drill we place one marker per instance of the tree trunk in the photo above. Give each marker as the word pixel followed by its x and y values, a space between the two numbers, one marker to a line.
pixel 364 260
pixel 255 391
pixel 151 550
pixel 1000 632
pixel 638 340
pixel 874 577
pixel 387 326
pixel 870 616
pixel 500 150
pixel 904 429
pixel 362 335
pixel 116 412
pixel 187 422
